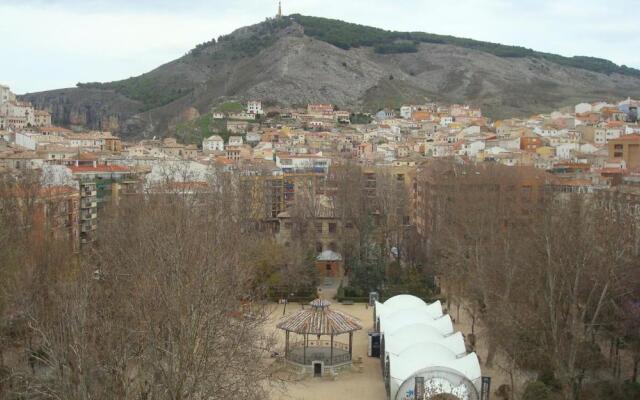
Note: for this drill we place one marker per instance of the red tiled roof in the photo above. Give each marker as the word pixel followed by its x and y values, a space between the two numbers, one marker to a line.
pixel 632 138
pixel 613 171
pixel 99 168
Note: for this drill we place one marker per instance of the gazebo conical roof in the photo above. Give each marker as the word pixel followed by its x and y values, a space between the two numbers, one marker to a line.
pixel 319 320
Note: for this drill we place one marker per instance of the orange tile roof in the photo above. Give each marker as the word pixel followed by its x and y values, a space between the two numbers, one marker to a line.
pixel 99 168
pixel 627 138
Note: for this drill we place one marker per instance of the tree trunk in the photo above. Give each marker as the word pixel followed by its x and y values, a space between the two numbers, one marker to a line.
pixel 491 352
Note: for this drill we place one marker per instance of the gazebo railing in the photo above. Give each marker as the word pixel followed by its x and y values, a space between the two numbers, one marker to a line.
pixel 320 343
pixel 299 358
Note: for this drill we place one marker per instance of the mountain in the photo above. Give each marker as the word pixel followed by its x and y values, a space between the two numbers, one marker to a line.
pixel 298 59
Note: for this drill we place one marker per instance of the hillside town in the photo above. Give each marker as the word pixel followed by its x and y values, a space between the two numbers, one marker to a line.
pixel 591 147
pixel 351 206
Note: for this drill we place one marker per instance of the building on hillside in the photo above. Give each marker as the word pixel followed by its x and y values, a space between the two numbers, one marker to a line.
pixel 303 162
pixel 42 118
pixel 237 126
pixel 236 141
pixel 254 107
pixel 213 143
pixel 405 112
pixel 6 95
pixel 99 185
pixel 626 148
pixel 94 141
pixel 385 114
pixel 88 210
pixel 583 108
pixel 253 138
pixel 53 212
pixel 319 109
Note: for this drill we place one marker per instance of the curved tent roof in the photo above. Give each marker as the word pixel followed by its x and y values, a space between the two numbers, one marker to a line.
pixel 402 318
pixel 402 301
pixel 329 255
pixel 414 334
pixel 383 309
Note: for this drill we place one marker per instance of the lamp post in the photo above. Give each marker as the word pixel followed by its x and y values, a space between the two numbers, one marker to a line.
pixel 286 301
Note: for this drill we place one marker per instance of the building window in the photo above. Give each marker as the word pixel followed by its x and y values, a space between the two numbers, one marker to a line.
pixel 349 225
pixel 333 227
pixel 319 247
pixel 328 267
pixel 617 154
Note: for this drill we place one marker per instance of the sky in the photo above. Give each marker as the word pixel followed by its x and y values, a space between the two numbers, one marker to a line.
pixel 51 44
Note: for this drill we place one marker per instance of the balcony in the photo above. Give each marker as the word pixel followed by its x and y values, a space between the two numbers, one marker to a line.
pixel 89 203
pixel 87 216
pixel 88 227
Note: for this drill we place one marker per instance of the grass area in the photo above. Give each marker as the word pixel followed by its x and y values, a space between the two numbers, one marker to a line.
pixel 193 132
pixel 348 35
pixel 230 107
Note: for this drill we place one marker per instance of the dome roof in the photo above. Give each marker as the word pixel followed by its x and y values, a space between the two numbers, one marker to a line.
pixel 319 320
pixel 411 335
pixel 402 318
pixel 408 302
pixel 329 255
pixel 403 301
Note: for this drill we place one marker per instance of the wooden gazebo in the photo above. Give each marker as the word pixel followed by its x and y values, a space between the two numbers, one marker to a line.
pixel 311 325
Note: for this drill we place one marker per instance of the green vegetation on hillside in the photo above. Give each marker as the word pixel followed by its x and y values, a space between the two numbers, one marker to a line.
pixel 360 118
pixel 230 107
pixel 246 44
pixel 193 132
pixel 397 47
pixel 347 35
pixel 154 92
pixel 151 92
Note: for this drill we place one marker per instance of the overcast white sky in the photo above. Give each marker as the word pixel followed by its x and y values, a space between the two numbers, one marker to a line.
pixel 49 44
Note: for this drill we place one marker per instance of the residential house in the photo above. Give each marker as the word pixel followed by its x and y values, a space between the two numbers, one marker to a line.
pixel 213 143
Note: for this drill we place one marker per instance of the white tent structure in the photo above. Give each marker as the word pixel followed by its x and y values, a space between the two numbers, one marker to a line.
pixel 407 302
pixel 420 353
pixel 415 334
pixel 403 318
pixel 442 371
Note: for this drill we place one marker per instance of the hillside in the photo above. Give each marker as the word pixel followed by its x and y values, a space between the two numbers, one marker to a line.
pixel 298 59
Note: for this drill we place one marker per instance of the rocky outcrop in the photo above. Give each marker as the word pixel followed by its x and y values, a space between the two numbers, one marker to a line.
pixel 89 108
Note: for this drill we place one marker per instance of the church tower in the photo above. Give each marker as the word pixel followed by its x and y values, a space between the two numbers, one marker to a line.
pixel 279 15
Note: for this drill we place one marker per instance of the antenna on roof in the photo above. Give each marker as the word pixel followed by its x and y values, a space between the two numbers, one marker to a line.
pixel 279 15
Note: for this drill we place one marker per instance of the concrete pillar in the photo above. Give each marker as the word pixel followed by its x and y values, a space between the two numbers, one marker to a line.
pixel 350 345
pixel 286 345
pixel 331 351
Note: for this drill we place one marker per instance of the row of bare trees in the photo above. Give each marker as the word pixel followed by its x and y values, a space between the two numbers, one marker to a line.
pixel 165 305
pixel 553 277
